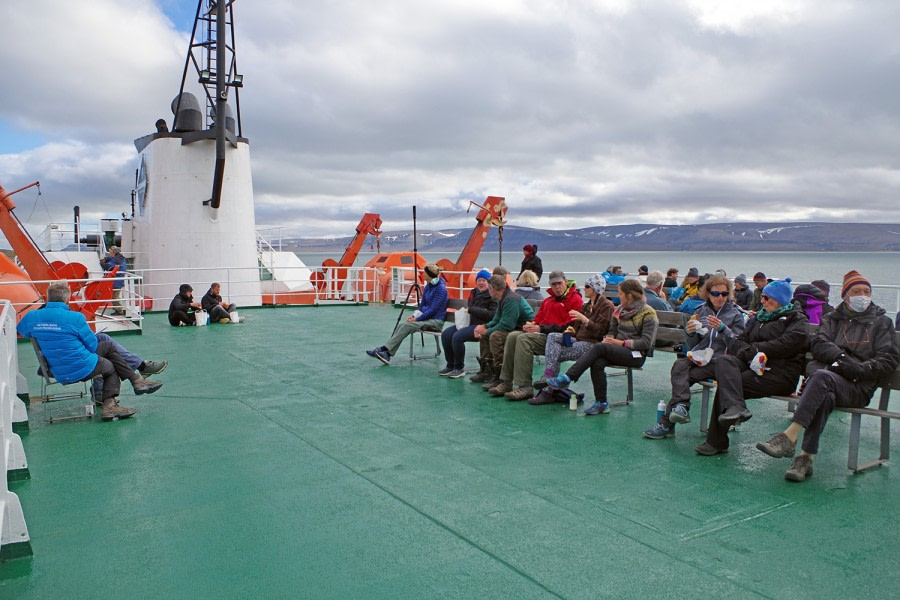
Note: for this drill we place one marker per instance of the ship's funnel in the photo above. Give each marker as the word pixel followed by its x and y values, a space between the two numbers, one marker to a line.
pixel 189 117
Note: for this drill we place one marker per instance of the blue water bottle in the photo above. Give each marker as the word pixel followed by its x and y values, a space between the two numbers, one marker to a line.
pixel 660 410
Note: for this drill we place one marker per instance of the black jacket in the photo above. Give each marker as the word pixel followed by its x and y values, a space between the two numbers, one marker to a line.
pixel 209 301
pixel 179 302
pixel 533 264
pixel 481 307
pixel 783 340
pixel 867 339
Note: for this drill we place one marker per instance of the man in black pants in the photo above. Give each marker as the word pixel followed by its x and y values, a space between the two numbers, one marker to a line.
pixel 181 304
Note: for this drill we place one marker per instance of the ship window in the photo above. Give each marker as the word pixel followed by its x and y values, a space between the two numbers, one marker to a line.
pixel 382 259
pixel 406 260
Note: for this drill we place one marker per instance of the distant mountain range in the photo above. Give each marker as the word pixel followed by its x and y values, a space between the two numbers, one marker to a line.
pixel 801 237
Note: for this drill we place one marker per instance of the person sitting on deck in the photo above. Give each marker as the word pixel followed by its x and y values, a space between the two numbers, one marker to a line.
pixel 74 353
pixel 218 310
pixel 531 262
pixel 760 281
pixel 108 263
pixel 522 346
pixel 527 286
pixel 854 347
pixel 481 307
pixel 627 343
pixel 653 292
pixel 711 325
pixel 742 294
pixel 512 313
pixel 765 360
pixel 180 312
pixel 590 324
pixel 812 301
pixel 430 316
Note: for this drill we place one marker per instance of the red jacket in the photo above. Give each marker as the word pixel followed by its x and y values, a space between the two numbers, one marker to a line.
pixel 553 316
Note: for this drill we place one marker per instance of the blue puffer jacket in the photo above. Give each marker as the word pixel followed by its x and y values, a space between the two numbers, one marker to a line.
pixel 434 302
pixel 111 262
pixel 65 338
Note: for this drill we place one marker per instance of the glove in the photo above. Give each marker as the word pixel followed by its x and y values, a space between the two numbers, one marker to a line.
pixel 848 368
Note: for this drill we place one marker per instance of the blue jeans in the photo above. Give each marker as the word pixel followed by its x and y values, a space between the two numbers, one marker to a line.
pixel 454 342
pixel 132 360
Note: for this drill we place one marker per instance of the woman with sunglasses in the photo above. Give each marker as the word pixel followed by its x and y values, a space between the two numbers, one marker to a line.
pixel 713 322
pixel 854 347
pixel 780 331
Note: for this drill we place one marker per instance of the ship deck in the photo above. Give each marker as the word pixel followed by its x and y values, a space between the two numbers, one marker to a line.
pixel 279 461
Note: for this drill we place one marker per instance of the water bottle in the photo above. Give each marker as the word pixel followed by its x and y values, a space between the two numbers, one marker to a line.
pixel 573 401
pixel 660 410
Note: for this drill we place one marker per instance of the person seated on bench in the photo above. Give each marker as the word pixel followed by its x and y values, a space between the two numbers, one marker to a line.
pixel 742 294
pixel 760 281
pixel 812 301
pixel 73 352
pixel 213 304
pixel 690 285
pixel 522 346
pixel 180 312
pixel 854 347
pixel 527 286
pixel 590 324
pixel 689 304
pixel 481 308
pixel 653 293
pixel 630 338
pixel 512 313
pixel 716 321
pixel 780 331
pixel 430 316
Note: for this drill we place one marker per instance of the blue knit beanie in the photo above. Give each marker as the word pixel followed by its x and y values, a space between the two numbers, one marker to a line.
pixel 483 274
pixel 779 291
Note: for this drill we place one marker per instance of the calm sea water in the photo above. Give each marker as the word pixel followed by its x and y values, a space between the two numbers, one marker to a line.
pixel 881 268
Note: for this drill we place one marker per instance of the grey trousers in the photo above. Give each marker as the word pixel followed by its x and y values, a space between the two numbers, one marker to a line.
pixel 824 390
pixel 684 374
pixel 406 328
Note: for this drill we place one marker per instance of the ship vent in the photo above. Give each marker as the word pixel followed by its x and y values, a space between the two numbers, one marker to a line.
pixel 189 117
pixel 229 119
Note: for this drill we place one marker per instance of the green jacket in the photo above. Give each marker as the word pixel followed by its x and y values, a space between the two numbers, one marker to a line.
pixel 511 314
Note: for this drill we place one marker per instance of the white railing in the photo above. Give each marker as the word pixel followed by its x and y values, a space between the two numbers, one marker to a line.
pixel 56 236
pixel 14 539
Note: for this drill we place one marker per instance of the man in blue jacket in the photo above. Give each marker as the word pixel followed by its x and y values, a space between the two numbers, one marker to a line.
pixel 73 352
pixel 431 315
pixel 115 259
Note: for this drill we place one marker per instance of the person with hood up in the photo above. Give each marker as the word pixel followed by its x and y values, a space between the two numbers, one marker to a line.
pixel 589 325
pixel 430 315
pixel 742 294
pixel 812 301
pixel 481 309
pixel 180 312
pixel 711 326
pixel 765 360
pixel 532 261
pixel 854 347
pixel 527 286
pixel 630 337
pixel 521 346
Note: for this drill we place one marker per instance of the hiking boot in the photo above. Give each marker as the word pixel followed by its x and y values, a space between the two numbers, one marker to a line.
pixel 445 371
pixel 493 380
pixel 456 374
pixel 113 412
pixel 152 367
pixel 522 393
pixel 560 382
pixel 734 415
pixel 707 449
pixel 800 469
pixel 485 374
pixel 145 386
pixel 500 389
pixel 679 414
pixel 598 408
pixel 778 447
pixel 659 431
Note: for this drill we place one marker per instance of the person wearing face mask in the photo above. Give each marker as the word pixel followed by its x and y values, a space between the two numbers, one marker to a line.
pixel 712 324
pixel 481 308
pixel 854 347
pixel 431 315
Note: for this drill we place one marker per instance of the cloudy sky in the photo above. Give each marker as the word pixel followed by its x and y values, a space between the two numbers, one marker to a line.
pixel 579 112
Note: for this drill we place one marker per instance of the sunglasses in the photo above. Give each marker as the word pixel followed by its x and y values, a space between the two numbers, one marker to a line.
pixel 716 294
pixel 764 297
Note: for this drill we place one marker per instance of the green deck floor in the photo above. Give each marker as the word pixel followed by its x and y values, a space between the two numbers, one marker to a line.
pixel 279 461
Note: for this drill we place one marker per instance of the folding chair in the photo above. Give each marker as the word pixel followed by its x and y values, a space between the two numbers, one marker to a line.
pixel 47 379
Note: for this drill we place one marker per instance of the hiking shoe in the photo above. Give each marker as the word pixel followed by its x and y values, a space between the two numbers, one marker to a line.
pixel 679 414
pixel 152 367
pixel 659 431
pixel 500 389
pixel 539 384
pixel 224 320
pixel 522 393
pixel 456 374
pixel 707 449
pixel 598 408
pixel 800 469
pixel 560 382
pixel 733 415
pixel 381 354
pixel 491 383
pixel 113 412
pixel 445 371
pixel 778 447
pixel 145 386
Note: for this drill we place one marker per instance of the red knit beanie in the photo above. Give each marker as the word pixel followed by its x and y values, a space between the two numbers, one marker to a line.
pixel 853 278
